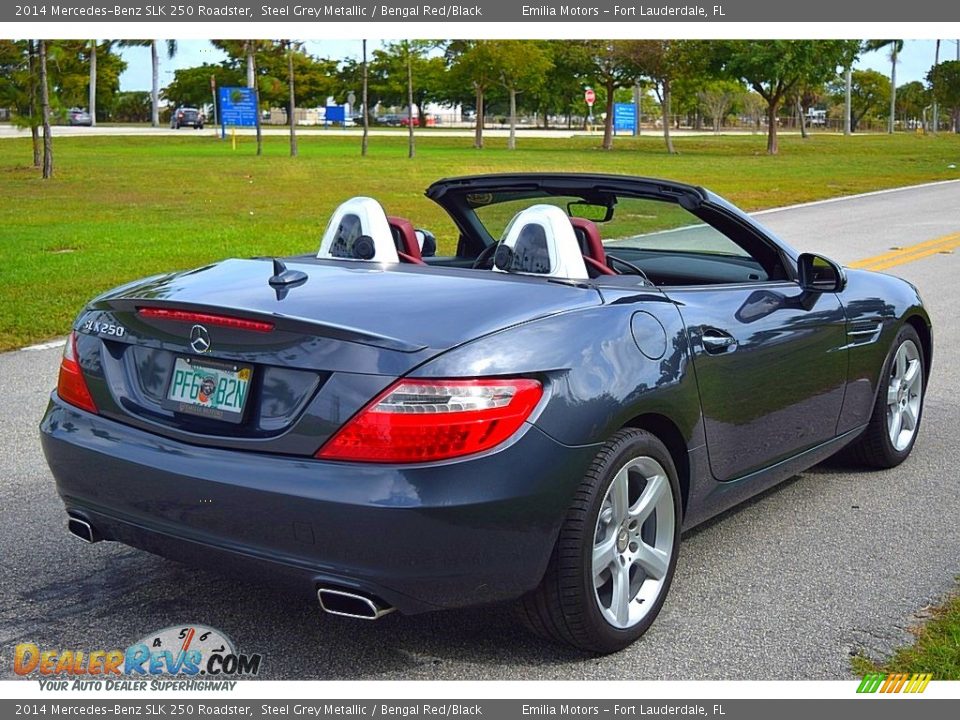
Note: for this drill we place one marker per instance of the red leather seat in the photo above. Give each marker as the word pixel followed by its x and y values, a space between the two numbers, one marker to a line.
pixel 405 238
pixel 591 245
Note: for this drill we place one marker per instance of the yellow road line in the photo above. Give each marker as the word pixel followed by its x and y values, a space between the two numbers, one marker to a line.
pixel 910 253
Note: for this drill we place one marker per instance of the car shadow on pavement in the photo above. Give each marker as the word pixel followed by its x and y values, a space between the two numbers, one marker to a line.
pixel 109 596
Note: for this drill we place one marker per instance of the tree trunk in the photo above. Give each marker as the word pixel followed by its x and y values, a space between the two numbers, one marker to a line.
pixel 772 145
pixel 800 121
pixel 255 86
pixel 411 147
pixel 478 130
pixel 251 65
pixel 366 114
pixel 665 109
pixel 93 83
pixel 155 91
pixel 34 89
pixel 847 104
pixel 936 111
pixel 893 89
pixel 45 108
pixel 608 120
pixel 512 140
pixel 293 103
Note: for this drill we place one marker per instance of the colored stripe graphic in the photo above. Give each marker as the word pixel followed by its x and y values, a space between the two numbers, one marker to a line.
pixel 894 683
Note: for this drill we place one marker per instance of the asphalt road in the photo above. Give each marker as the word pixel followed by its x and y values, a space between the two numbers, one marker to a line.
pixel 785 587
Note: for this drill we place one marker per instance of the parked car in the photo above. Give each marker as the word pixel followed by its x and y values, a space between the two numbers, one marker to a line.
pixel 605 362
pixel 428 121
pixel 79 116
pixel 390 120
pixel 186 117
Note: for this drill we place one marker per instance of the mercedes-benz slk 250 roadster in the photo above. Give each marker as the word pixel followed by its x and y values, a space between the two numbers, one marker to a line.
pixel 605 362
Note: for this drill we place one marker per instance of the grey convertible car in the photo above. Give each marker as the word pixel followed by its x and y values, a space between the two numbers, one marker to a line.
pixel 605 362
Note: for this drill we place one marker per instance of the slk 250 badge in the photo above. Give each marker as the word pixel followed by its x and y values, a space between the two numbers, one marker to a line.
pixel 101 328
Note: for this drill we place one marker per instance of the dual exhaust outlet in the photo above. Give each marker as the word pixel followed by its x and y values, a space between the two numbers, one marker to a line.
pixel 332 601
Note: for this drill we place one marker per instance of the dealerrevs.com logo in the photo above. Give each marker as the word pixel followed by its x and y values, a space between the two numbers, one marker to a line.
pixel 181 657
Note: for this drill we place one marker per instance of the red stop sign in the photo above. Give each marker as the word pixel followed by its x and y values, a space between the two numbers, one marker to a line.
pixel 590 96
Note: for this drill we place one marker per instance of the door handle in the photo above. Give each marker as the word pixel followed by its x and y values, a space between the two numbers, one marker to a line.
pixel 717 342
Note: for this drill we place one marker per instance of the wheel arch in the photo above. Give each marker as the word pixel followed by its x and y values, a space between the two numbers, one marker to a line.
pixel 667 432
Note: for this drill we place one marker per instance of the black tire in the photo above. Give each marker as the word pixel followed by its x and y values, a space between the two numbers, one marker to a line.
pixel 874 448
pixel 565 607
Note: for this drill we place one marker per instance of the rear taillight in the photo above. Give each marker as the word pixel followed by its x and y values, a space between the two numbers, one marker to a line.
pixel 71 387
pixel 424 420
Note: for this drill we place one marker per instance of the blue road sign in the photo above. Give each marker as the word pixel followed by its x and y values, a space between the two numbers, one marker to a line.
pixel 238 106
pixel 625 117
pixel 335 114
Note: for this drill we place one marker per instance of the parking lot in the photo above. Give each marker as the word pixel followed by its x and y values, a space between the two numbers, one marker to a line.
pixel 788 586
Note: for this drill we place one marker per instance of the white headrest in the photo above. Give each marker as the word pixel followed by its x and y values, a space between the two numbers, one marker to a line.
pixel 544 243
pixel 355 217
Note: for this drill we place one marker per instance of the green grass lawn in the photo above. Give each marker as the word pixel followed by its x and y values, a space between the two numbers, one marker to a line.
pixel 119 208
pixel 936 650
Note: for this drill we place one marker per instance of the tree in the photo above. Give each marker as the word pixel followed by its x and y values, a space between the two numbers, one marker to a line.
pixel 191 86
pixel 291 49
pixel 45 109
pixel 155 66
pixel 717 98
pixel 774 68
pixel 561 89
pixel 19 88
pixel 473 65
pixel 92 102
pixel 912 98
pixel 896 47
pixel 662 62
pixel 404 55
pixel 613 67
pixel 522 65
pixel 945 82
pixel 131 107
pixel 869 93
pixel 851 54
pixel 365 100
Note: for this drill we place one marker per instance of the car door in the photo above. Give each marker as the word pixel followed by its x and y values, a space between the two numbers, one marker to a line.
pixel 771 367
pixel 769 358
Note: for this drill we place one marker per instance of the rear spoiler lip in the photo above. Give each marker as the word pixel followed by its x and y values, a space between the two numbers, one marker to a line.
pixel 282 322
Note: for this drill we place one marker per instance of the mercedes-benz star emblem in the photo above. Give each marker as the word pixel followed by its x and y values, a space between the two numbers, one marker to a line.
pixel 199 339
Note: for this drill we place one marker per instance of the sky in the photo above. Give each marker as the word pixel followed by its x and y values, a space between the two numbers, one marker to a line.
pixel 915 60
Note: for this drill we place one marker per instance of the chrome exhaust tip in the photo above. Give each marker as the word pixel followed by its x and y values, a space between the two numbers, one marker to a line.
pixel 80 528
pixel 351 605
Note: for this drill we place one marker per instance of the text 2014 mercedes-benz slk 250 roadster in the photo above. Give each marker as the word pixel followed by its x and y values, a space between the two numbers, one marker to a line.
pixel 605 362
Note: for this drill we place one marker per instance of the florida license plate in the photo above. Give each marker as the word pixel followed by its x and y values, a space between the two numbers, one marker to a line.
pixel 209 388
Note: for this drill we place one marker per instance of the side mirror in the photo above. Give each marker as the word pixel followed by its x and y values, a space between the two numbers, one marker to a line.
pixel 820 274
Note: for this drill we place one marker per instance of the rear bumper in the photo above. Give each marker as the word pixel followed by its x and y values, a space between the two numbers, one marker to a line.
pixel 422 537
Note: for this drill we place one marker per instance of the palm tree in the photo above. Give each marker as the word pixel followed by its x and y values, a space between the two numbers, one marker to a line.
pixel 896 47
pixel 155 60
